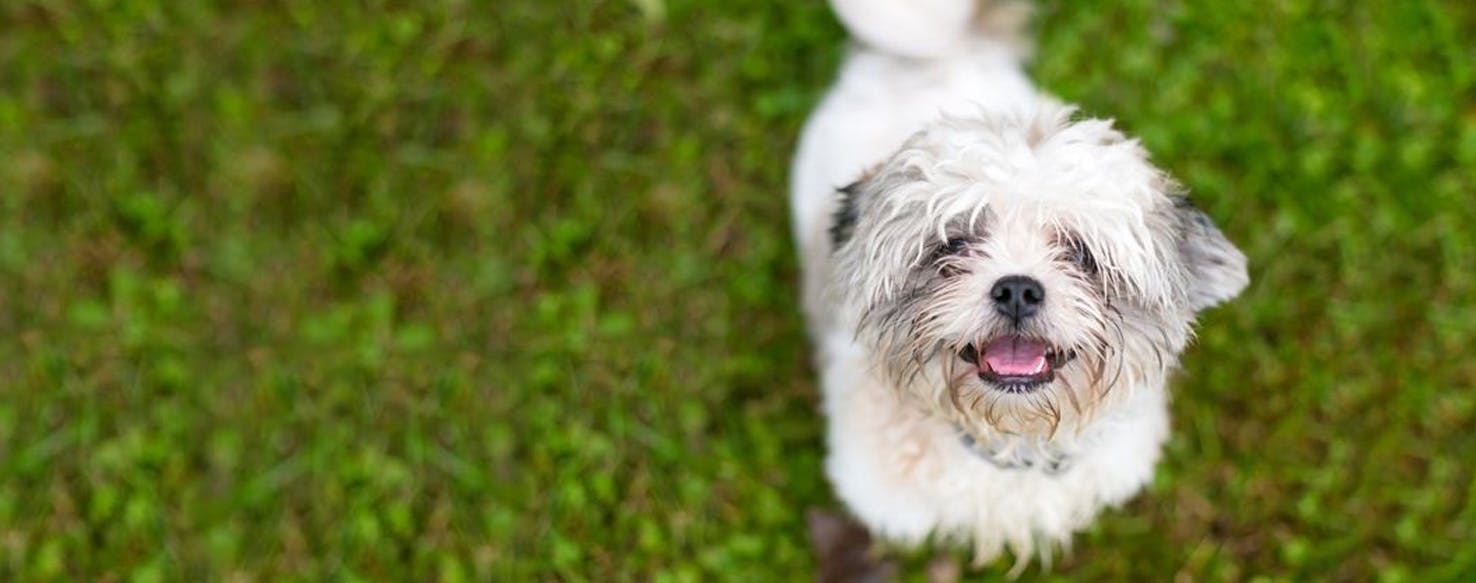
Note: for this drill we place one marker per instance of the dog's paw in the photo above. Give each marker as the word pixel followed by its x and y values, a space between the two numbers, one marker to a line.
pixel 844 551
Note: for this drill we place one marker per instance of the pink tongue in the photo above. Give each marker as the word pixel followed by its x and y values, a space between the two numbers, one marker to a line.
pixel 1015 356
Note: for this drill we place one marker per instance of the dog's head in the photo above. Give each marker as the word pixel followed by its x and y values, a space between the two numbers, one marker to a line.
pixel 1014 271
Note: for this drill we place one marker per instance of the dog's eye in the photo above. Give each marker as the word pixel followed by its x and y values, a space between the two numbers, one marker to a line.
pixel 954 246
pixel 943 253
pixel 1079 254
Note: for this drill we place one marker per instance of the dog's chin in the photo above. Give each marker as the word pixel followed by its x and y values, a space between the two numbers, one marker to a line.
pixel 1016 364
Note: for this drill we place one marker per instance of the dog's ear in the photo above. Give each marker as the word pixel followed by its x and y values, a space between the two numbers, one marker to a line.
pixel 1216 268
pixel 847 212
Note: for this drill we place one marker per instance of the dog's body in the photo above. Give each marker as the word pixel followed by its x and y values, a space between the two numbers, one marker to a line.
pixel 997 301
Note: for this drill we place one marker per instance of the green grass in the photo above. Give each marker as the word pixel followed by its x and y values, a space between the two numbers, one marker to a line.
pixel 468 291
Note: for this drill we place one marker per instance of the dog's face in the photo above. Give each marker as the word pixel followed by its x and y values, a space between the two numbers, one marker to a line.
pixel 1013 273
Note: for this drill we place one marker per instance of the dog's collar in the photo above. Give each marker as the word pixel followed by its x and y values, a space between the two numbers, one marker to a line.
pixel 1049 462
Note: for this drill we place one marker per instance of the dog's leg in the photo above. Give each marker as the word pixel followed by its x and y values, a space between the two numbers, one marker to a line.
pixel 844 550
pixel 944 568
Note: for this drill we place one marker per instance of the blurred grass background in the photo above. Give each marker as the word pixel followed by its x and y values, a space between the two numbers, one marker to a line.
pixel 464 291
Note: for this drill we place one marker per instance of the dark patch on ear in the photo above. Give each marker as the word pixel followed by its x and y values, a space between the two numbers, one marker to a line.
pixel 843 223
pixel 1216 267
pixel 1191 211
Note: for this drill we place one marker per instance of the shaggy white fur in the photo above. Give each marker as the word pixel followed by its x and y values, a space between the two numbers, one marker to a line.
pixel 963 176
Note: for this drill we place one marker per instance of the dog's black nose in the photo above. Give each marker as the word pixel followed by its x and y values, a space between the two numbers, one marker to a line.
pixel 1017 296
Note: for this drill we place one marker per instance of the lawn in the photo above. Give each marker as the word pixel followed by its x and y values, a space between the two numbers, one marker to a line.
pixel 466 291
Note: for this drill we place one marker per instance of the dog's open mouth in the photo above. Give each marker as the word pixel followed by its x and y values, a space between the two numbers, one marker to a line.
pixel 1016 363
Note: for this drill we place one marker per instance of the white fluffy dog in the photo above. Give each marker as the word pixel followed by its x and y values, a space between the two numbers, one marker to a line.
pixel 998 296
